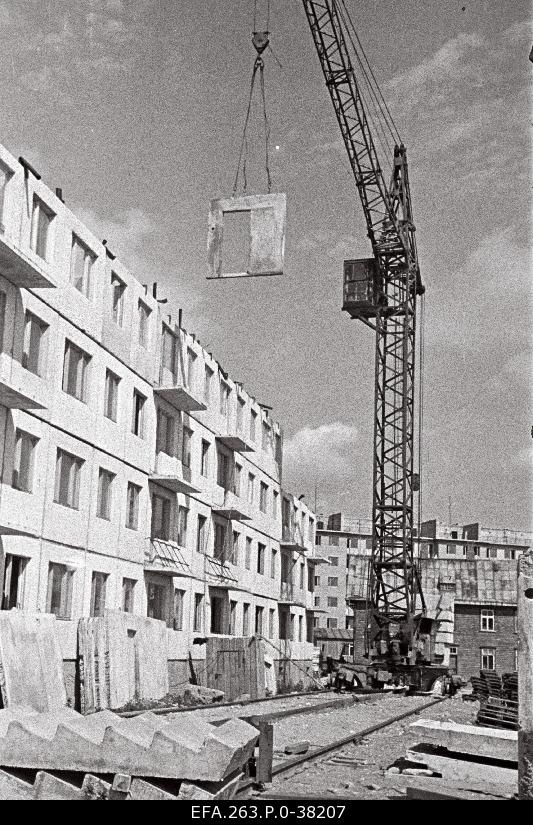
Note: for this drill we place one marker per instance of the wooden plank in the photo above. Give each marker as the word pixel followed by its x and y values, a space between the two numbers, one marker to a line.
pixel 233 669
pixel 252 659
pixel 238 667
pixel 229 664
pixel 261 671
pixel 266 753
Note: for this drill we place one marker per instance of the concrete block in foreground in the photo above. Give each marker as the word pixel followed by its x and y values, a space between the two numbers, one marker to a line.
pixel 478 741
pixel 104 743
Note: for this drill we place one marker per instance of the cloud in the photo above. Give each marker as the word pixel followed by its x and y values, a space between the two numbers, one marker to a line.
pixel 55 49
pixel 455 60
pixel 519 33
pixel 491 301
pixel 336 245
pixel 7 16
pixel 327 452
pixel 130 233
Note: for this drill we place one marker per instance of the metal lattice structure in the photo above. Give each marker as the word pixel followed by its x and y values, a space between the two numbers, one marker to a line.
pixel 393 580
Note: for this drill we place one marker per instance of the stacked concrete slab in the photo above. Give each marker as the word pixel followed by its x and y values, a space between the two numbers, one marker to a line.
pixel 147 745
pixel 122 658
pixel 31 665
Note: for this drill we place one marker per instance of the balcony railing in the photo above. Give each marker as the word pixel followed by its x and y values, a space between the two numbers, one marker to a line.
pixel 219 572
pixel 166 557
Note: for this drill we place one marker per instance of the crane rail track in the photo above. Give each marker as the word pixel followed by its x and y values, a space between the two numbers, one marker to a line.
pixel 316 753
pixel 347 740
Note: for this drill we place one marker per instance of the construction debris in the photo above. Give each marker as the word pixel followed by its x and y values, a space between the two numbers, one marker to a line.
pixel 31 665
pixel 297 748
pixel 463 753
pixel 498 699
pixel 468 739
pixel 210 790
pixel 183 746
pixel 462 767
pixel 122 657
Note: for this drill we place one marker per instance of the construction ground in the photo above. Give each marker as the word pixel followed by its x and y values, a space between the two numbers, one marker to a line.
pixel 337 741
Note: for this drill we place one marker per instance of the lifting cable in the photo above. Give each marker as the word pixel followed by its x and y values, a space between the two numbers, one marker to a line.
pixel 376 107
pixel 369 75
pixel 261 41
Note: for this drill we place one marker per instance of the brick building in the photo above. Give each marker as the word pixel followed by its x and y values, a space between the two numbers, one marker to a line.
pixel 136 474
pixel 479 570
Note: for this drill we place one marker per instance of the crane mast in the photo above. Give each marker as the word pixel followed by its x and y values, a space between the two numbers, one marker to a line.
pixel 382 292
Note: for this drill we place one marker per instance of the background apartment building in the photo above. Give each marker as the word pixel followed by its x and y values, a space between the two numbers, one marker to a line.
pixel 475 564
pixel 136 474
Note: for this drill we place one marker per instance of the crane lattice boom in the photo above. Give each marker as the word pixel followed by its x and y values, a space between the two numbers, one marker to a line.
pixel 394 587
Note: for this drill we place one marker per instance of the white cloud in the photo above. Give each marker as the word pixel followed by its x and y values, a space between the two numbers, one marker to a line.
pixel 52 50
pixel 453 61
pixel 491 300
pixel 327 452
pixel 131 234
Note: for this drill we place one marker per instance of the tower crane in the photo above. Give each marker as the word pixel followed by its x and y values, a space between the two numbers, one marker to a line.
pixel 383 292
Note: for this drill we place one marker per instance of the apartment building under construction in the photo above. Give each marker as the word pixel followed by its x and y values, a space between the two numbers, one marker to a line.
pixel 136 474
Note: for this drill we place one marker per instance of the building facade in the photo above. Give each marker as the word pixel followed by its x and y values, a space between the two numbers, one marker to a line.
pixel 475 565
pixel 136 474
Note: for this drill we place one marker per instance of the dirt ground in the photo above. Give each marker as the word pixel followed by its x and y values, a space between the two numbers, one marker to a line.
pixel 327 778
pixel 212 712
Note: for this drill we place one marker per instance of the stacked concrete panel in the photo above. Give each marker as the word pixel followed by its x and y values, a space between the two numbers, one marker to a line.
pixel 122 657
pixel 31 667
pixel 147 745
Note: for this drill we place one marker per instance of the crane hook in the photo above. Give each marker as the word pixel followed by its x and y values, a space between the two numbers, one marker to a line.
pixel 261 41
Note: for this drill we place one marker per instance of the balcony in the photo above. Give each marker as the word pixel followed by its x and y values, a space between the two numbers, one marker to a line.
pixel 317 560
pixel 172 389
pixel 167 558
pixel 292 539
pixel 235 443
pixel 22 269
pixel 19 389
pixel 169 472
pixel 219 573
pixel 231 508
pixel 174 484
pixel 290 594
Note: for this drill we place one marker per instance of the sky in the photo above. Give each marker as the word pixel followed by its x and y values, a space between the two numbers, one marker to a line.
pixel 135 108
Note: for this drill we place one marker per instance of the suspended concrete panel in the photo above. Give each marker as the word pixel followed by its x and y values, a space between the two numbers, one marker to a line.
pixel 267 234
